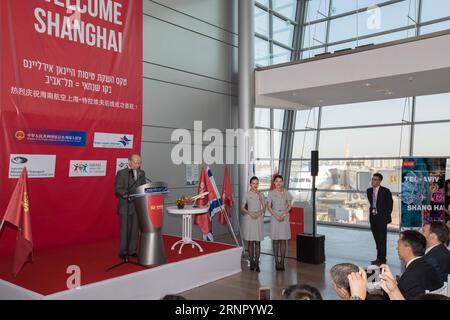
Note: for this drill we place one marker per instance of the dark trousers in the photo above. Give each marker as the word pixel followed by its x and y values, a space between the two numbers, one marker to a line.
pixel 128 221
pixel 379 232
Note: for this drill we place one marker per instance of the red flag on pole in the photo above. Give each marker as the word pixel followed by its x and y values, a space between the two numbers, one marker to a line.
pixel 227 196
pixel 272 183
pixel 18 215
pixel 203 220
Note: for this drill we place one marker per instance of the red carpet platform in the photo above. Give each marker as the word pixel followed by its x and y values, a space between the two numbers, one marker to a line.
pixel 47 277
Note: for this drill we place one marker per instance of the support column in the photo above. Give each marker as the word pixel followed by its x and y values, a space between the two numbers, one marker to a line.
pixel 246 87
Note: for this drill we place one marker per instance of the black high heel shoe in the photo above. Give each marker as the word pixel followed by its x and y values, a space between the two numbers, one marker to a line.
pixel 277 266
pixel 257 268
pixel 252 266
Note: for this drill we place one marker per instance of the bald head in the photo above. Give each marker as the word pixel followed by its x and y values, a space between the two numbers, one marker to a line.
pixel 134 161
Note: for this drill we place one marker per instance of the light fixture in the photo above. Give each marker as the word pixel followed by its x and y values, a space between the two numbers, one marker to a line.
pixel 367 84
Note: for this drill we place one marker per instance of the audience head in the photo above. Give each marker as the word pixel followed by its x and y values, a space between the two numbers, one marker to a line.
pixel 435 232
pixel 376 179
pixel 173 297
pixel 411 244
pixel 339 275
pixel 302 292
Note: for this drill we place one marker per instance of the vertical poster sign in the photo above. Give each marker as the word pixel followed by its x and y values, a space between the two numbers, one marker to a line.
pixel 422 193
pixel 70 106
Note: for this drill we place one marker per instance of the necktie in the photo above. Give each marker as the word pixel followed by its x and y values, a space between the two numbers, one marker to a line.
pixel 375 196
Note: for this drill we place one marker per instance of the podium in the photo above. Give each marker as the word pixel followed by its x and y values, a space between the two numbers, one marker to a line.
pixel 149 204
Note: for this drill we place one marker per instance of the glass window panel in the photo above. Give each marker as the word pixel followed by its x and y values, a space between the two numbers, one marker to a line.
pixel 435 9
pixel 366 142
pixel 349 208
pixel 262 52
pixel 317 9
pixel 301 196
pixel 435 27
pixel 287 8
pixel 342 6
pixel 261 22
pixel 280 55
pixel 304 142
pixel 277 136
pixel 282 31
pixel 263 171
pixel 305 119
pixel 343 28
pixel 433 107
pixel 263 2
pixel 300 177
pixel 278 118
pixel 356 175
pixel 391 17
pixel 387 37
pixel 369 3
pixel 262 117
pixel 432 139
pixel 314 35
pixel 366 113
pixel 262 143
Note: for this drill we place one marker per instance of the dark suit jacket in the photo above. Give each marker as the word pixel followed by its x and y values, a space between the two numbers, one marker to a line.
pixel 384 205
pixel 418 277
pixel 439 259
pixel 124 184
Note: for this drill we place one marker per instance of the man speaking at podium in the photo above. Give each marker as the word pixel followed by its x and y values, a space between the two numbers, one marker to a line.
pixel 126 180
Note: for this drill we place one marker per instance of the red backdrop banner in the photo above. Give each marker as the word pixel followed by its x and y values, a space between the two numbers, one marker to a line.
pixel 70 111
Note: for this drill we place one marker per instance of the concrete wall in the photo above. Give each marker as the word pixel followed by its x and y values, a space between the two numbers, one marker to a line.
pixel 190 73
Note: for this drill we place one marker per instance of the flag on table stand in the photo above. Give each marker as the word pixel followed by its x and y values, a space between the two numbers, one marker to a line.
pixel 18 214
pixel 227 196
pixel 272 183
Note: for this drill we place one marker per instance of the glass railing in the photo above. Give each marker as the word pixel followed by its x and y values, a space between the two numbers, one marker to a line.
pixel 330 26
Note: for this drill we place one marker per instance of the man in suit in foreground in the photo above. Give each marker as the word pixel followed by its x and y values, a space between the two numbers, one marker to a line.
pixel 380 199
pixel 437 254
pixel 419 275
pixel 126 180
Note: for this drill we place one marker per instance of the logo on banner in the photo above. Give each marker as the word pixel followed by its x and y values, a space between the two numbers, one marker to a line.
pixel 20 135
pixel 408 164
pixel 113 140
pixel 121 163
pixel 38 165
pixel 52 137
pixel 87 168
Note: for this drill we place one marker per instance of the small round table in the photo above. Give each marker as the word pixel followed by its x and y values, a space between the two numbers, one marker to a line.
pixel 187 212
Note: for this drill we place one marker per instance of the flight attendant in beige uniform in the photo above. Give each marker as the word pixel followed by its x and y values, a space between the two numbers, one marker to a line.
pixel 253 208
pixel 279 205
